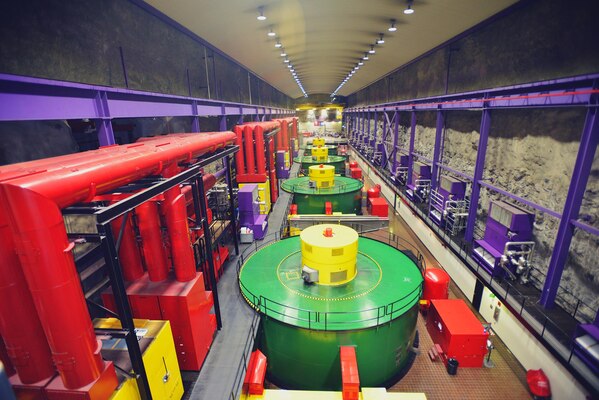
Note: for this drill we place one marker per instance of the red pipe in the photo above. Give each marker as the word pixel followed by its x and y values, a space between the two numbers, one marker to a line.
pixel 130 163
pixel 152 248
pixel 129 256
pixel 294 129
pixel 34 203
pixel 239 162
pixel 19 324
pixel 249 149
pixel 175 209
pixel 282 143
pixel 260 151
pixel 44 250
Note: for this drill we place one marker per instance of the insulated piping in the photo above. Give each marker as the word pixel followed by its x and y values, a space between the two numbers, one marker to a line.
pixel 19 324
pixel 34 203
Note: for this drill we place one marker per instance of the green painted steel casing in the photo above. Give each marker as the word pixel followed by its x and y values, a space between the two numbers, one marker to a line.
pixel 297 357
pixel 304 325
pixel 345 196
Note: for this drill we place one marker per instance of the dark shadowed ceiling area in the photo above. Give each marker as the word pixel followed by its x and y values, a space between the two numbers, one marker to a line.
pixel 325 39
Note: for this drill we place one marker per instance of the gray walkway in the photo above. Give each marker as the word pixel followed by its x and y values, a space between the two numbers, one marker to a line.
pixel 218 374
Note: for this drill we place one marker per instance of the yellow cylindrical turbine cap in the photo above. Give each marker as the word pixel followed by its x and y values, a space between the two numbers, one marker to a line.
pixel 329 254
pixel 320 153
pixel 323 175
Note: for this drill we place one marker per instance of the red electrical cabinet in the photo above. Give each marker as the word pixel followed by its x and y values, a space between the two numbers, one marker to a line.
pixel 456 329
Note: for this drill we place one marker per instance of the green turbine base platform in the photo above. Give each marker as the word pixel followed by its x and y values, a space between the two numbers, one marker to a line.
pixel 345 196
pixel 336 161
pixel 304 325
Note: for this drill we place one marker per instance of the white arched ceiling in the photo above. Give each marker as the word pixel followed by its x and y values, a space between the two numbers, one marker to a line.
pixel 324 39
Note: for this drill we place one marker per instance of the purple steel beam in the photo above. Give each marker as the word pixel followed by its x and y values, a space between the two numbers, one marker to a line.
pixel 578 90
pixel 222 126
pixel 103 123
pixel 374 133
pixel 411 149
pixel 26 99
pixel 580 177
pixel 587 228
pixel 381 147
pixel 195 120
pixel 479 166
pixel 456 172
pixel 437 149
pixel 395 139
pixel 424 158
pixel 520 199
pixel 367 128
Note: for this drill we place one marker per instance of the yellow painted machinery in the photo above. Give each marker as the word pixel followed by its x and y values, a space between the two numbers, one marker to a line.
pixel 329 254
pixel 322 175
pixel 320 153
pixel 317 142
pixel 158 354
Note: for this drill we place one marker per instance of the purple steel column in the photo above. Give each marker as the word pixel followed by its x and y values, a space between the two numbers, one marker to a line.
pixel 437 149
pixel 479 166
pixel 580 177
pixel 195 120
pixel 367 135
pixel 381 146
pixel 222 126
pixel 103 123
pixel 374 132
pixel 395 140
pixel 411 148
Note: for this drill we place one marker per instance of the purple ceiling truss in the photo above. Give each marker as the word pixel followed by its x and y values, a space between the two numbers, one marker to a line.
pixel 579 91
pixel 27 99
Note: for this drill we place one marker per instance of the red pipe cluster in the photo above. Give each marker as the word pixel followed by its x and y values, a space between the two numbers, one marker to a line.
pixel 39 284
pixel 251 164
pixel 288 130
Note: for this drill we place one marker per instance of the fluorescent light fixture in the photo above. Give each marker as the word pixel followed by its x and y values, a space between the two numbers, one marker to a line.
pixel 380 40
pixel 283 54
pixel 409 10
pixel 361 62
pixel 365 56
pixel 372 50
pixel 286 61
pixel 392 28
pixel 261 16
pixel 271 33
pixel 278 44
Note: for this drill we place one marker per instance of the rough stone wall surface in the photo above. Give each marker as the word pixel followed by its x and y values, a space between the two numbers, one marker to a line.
pixel 30 140
pixel 82 41
pixel 527 45
pixel 530 154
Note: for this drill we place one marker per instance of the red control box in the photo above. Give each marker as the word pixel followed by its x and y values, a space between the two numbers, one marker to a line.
pixel 378 206
pixel 186 305
pixel 456 329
